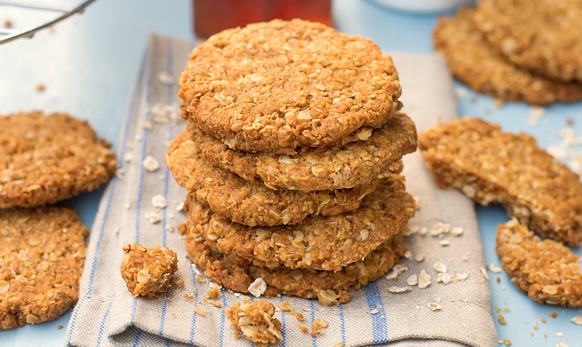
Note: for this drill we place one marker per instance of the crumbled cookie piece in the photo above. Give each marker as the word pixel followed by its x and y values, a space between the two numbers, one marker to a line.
pixel 280 86
pixel 551 48
pixel 252 203
pixel 490 166
pixel 213 293
pixel 331 288
pixel 255 320
pixel 475 63
pixel 42 252
pixel 148 271
pixel 546 270
pixel 320 243
pixel 338 167
pixel 48 158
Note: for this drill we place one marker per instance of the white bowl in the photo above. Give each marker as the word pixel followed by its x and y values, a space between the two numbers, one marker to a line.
pixel 424 6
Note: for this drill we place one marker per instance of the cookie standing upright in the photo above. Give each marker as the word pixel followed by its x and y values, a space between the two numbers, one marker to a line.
pixel 282 85
pixel 42 255
pixel 543 36
pixel 48 158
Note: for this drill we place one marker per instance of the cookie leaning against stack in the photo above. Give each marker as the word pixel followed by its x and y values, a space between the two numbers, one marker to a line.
pixel 44 159
pixel 291 160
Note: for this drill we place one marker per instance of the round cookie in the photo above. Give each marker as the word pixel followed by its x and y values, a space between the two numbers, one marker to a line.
pixel 475 63
pixel 338 167
pixel 251 202
pixel 331 288
pixel 41 261
pixel 48 158
pixel 544 36
pixel 281 85
pixel 320 243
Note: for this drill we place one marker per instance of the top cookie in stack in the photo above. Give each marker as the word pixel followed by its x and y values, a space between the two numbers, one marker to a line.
pixel 291 159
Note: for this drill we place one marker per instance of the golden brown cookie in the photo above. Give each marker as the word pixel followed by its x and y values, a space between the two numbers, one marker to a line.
pixel 48 158
pixel 546 271
pixel 321 243
pixel 251 202
pixel 339 167
pixel 281 85
pixel 42 252
pixel 255 320
pixel 331 288
pixel 475 63
pixel 148 271
pixel 543 36
pixel 490 166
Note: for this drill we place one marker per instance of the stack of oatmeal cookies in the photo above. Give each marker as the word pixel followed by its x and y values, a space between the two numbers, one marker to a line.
pixel 292 160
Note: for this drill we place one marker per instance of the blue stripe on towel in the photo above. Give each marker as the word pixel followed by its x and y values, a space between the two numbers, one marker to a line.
pixel 313 339
pixel 284 326
pixel 343 323
pixel 113 184
pixel 102 325
pixel 379 321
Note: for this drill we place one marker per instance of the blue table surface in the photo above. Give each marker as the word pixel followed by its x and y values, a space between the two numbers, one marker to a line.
pixel 88 64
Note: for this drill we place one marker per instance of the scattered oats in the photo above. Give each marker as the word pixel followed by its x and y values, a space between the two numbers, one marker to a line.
pixel 433 306
pixel 171 215
pixel 180 207
pixel 560 344
pixel 419 257
pixel 285 306
pixel 440 267
pixel 536 113
pixel 457 231
pixel 423 231
pixel 559 333
pixel 392 275
pixel 576 320
pixel 165 78
pixel 127 206
pixel 258 287
pixel 460 92
pixel 501 319
pixel 119 173
pixel 484 273
pixel 500 342
pixel 444 278
pixel 494 268
pixel 213 302
pixel 400 268
pixel 128 158
pixel 462 277
pixel 153 217
pixel 129 144
pixel 399 289
pixel 412 280
pixel 417 200
pixel 138 137
pixel 159 201
pixel 408 254
pixel 410 230
pixel 439 229
pixel 445 243
pixel 558 152
pixel 465 258
pixel 423 279
pixel 146 125
pixel 151 164
pixel 117 230
pixel 374 311
pixel 169 228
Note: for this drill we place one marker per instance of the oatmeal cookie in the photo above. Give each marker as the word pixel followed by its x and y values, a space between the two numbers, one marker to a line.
pixel 281 85
pixel 255 320
pixel 543 36
pixel 48 158
pixel 490 166
pixel 42 252
pixel 148 271
pixel 339 167
pixel 251 202
pixel 331 288
pixel 475 63
pixel 320 243
pixel 546 271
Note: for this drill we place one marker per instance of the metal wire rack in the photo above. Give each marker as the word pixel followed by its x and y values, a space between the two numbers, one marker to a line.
pixel 9 34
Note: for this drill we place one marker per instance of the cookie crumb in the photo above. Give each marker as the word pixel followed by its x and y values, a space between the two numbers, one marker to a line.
pixel 299 316
pixel 440 267
pixel 151 164
pixel 285 306
pixel 40 87
pixel 165 78
pixel 213 293
pixel 255 320
pixel 338 344
pixel 318 325
pixel 374 311
pixel 433 306
pixel 159 201
pixel 560 344
pixel 423 279
pixel 576 320
pixel 8 23
pixel 501 319
pixel 553 314
pixel 60 327
pixel 199 311
pixel 258 287
pixel 153 217
pixel 507 342
pixel 236 335
pixel 213 302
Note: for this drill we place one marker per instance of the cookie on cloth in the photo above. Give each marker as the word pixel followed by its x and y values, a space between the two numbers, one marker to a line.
pixel 491 166
pixel 251 202
pixel 473 61
pixel 331 288
pixel 320 243
pixel 546 271
pixel 282 85
pixel 543 36
pixel 338 167
pixel 42 252
pixel 48 158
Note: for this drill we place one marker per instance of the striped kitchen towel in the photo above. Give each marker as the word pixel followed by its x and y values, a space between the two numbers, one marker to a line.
pixel 108 315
